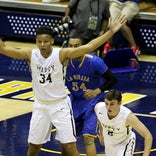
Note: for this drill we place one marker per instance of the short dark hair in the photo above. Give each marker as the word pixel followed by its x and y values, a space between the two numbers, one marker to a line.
pixel 44 30
pixel 113 95
pixel 76 36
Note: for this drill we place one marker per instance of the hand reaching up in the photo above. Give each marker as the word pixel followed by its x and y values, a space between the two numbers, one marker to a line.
pixel 115 25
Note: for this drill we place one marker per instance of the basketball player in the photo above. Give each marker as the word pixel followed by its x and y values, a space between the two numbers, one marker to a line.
pixel 87 78
pixel 116 123
pixel 52 105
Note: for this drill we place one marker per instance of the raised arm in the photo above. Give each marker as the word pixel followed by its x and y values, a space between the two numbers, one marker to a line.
pixel 114 26
pixel 14 52
pixel 143 131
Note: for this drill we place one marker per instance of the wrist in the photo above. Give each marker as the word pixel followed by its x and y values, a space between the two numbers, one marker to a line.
pixel 98 91
pixel 111 31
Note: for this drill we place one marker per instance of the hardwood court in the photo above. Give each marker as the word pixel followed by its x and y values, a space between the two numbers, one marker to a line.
pixel 16 104
pixel 16 98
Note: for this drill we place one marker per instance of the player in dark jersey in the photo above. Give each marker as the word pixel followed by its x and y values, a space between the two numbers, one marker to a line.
pixel 87 78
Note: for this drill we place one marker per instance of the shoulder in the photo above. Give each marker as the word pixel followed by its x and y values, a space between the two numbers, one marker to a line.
pixel 97 60
pixel 99 106
pixel 27 53
pixel 63 52
pixel 125 110
pixel 132 119
pixel 99 64
pixel 57 50
pixel 35 52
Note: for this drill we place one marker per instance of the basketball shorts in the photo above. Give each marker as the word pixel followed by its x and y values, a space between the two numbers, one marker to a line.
pixel 45 116
pixel 124 149
pixel 86 123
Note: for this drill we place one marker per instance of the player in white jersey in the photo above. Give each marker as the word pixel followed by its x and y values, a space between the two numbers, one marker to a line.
pixel 116 123
pixel 52 106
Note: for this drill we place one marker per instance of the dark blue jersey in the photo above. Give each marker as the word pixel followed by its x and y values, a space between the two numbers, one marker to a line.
pixel 85 74
pixel 82 75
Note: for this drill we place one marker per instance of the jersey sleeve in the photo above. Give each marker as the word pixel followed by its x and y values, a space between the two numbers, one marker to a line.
pixel 99 66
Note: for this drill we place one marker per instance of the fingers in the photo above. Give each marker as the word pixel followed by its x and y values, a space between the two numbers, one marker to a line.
pixel 122 18
pixel 88 94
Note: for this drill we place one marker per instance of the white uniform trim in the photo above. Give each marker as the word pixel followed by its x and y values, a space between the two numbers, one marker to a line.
pixel 118 138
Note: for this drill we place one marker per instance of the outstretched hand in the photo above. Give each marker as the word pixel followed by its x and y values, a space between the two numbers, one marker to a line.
pixel 115 25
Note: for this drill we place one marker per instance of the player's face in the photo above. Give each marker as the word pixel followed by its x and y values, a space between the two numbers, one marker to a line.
pixel 44 43
pixel 113 108
pixel 74 42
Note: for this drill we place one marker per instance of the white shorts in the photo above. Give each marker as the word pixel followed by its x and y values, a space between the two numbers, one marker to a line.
pixel 44 116
pixel 129 9
pixel 123 149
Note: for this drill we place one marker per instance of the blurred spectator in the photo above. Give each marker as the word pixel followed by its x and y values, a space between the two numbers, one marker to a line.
pixel 89 17
pixel 130 8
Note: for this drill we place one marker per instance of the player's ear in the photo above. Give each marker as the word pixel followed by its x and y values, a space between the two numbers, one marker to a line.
pixel 120 102
pixel 52 41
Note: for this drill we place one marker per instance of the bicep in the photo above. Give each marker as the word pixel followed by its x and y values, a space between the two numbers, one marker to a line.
pixel 137 125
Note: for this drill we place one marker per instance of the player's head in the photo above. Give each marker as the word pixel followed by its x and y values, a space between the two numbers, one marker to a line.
pixel 75 41
pixel 44 30
pixel 113 95
pixel 113 101
pixel 44 40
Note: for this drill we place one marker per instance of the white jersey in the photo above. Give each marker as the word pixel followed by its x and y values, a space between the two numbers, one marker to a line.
pixel 114 130
pixel 47 76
